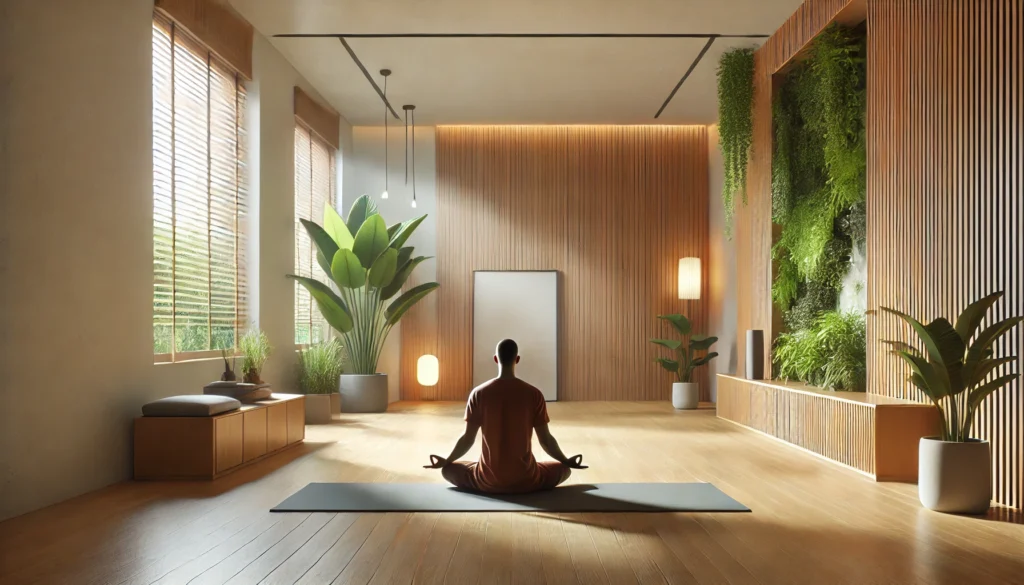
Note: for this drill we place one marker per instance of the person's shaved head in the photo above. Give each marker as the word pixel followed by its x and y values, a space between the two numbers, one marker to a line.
pixel 507 352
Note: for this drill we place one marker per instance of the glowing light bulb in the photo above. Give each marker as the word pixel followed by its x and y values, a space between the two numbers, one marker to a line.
pixel 384 195
pixel 414 204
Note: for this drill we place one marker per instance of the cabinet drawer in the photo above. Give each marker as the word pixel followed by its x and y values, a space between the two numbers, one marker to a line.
pixel 296 420
pixel 254 433
pixel 227 433
pixel 277 426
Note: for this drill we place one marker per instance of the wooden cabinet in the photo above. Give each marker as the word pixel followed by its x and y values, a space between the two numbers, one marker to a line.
pixel 208 447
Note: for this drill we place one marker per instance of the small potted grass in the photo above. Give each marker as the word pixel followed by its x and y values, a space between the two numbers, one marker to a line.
pixel 319 371
pixel 255 349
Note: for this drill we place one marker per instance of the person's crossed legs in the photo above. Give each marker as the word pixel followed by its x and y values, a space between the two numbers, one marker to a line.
pixel 461 475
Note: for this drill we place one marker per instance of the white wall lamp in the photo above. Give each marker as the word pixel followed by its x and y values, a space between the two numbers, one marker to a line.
pixel 689 278
pixel 427 370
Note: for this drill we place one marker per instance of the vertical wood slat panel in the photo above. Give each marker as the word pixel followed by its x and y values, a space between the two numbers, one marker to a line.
pixel 832 427
pixel 945 173
pixel 612 208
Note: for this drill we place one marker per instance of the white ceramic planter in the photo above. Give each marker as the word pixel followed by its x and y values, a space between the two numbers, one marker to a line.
pixel 364 393
pixel 954 477
pixel 318 409
pixel 685 395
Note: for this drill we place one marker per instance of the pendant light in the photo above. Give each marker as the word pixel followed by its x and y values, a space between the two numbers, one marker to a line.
pixel 385 73
pixel 408 109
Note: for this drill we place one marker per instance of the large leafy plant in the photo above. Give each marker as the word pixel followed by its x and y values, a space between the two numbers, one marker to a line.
pixel 687 357
pixel 954 363
pixel 735 122
pixel 369 263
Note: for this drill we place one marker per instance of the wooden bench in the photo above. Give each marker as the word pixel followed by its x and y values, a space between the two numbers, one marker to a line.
pixel 875 435
pixel 208 447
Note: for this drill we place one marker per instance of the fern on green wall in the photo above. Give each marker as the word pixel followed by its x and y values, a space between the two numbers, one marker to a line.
pixel 735 123
pixel 837 65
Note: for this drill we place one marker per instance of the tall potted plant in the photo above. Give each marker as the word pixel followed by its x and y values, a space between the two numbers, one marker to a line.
pixel 369 263
pixel 319 372
pixel 953 368
pixel 685 392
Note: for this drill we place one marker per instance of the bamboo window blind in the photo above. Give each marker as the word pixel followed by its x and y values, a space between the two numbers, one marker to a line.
pixel 314 188
pixel 199 198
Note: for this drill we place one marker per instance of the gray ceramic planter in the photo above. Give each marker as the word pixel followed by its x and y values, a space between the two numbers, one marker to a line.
pixel 954 477
pixel 364 393
pixel 318 409
pixel 685 395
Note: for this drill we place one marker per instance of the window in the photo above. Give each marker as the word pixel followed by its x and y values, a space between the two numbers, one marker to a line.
pixel 314 187
pixel 199 194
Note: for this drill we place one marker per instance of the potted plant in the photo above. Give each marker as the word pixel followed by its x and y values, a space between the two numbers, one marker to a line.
pixel 229 367
pixel 255 349
pixel 369 263
pixel 685 392
pixel 953 368
pixel 319 371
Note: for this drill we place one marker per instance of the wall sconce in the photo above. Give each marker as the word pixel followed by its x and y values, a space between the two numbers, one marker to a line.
pixel 427 370
pixel 689 278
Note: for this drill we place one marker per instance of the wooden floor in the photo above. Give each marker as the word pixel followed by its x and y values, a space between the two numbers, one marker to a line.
pixel 812 522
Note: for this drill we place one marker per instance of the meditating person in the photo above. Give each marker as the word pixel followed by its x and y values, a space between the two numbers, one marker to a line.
pixel 508 410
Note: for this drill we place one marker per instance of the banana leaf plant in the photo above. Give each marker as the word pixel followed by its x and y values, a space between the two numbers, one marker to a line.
pixel 687 358
pixel 369 262
pixel 953 367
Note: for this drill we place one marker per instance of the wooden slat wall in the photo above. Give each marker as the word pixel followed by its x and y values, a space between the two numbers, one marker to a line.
pixel 945 187
pixel 612 208
pixel 753 222
pixel 836 429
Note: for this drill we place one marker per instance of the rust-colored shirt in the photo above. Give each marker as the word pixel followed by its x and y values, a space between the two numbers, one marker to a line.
pixel 507 410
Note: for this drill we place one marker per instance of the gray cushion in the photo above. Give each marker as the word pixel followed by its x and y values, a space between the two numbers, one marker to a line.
pixel 191 405
pixel 245 393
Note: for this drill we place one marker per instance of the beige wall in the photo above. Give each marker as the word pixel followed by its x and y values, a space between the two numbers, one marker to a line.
pixel 721 271
pixel 76 270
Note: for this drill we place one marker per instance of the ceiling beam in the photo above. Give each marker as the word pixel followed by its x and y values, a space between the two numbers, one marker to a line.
pixel 693 66
pixel 355 59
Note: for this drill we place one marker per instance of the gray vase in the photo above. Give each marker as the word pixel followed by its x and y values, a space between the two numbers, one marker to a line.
pixel 755 354
pixel 318 409
pixel 364 393
pixel 954 477
pixel 685 395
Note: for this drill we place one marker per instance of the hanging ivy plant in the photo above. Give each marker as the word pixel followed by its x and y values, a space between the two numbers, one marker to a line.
pixel 735 123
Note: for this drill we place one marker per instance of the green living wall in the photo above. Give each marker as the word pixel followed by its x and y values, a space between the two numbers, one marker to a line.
pixel 818 198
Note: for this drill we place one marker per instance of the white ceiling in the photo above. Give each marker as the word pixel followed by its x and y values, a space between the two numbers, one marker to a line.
pixel 516 81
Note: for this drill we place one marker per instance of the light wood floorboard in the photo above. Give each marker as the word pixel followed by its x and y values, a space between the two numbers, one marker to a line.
pixel 813 522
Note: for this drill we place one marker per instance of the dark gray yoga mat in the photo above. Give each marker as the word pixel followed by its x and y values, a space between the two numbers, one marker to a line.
pixel 435 497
